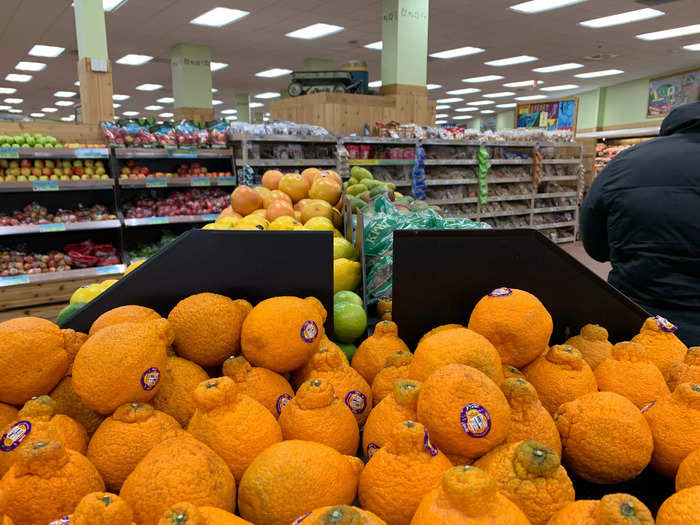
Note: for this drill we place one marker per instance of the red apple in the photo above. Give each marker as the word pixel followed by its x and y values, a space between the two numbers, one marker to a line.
pixel 36 172
pixel 25 171
pixel 25 163
pixel 47 171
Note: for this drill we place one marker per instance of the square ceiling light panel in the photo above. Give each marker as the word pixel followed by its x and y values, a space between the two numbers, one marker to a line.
pixel 273 73
pixel 538 6
pixel 219 17
pixel 315 31
pixel 622 18
pixel 39 50
pixel 134 60
pixel 501 94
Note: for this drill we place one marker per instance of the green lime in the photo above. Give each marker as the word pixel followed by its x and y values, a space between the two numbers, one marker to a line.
pixel 348 349
pixel 68 311
pixel 343 249
pixel 349 321
pixel 346 296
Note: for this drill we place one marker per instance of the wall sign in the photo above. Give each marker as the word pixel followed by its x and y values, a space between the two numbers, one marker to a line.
pixel 669 92
pixel 551 115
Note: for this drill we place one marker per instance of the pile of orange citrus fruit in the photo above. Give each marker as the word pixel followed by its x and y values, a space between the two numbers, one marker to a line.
pixel 228 413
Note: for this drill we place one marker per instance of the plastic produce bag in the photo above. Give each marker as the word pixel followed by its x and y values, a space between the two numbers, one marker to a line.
pixel 379 278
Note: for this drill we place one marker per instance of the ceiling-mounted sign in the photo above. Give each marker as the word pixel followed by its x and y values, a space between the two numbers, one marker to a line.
pixel 552 115
pixel 669 92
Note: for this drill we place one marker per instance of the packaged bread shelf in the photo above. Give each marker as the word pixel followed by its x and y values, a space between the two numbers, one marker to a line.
pixel 47 277
pixel 57 227
pixel 177 182
pixel 57 185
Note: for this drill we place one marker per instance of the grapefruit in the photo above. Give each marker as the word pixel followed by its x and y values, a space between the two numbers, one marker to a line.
pixel 279 208
pixel 309 174
pixel 264 192
pixel 316 208
pixel 325 189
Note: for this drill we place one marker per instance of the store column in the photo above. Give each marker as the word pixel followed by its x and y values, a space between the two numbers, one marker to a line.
pixel 191 73
pixel 243 107
pixel 404 46
pixel 94 67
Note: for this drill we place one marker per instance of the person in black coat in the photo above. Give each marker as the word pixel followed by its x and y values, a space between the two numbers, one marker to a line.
pixel 643 215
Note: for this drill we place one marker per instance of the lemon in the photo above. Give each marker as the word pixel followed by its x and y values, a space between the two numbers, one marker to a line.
pixel 254 220
pixel 319 224
pixel 337 234
pixel 229 222
pixel 249 226
pixel 300 228
pixel 134 265
pixel 343 249
pixel 216 226
pixel 284 223
pixel 346 274
pixel 86 293
pixel 106 284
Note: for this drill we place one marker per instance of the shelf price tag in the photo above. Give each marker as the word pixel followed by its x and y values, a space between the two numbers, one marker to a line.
pixel 9 153
pixel 54 227
pixel 182 153
pixel 157 183
pixel 45 185
pixel 210 216
pixel 200 181
pixel 13 280
pixel 108 270
pixel 226 181
pixel 91 153
pixel 364 162
pixel 156 220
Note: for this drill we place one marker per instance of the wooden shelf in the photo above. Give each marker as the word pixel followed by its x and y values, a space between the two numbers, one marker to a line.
pixel 68 275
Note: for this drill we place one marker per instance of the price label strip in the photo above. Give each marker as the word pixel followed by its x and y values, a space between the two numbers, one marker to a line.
pixel 109 270
pixel 91 153
pixel 9 153
pixel 45 185
pixel 13 280
pixel 157 183
pixel 55 227
pixel 182 153
pixel 226 181
pixel 200 181
pixel 210 217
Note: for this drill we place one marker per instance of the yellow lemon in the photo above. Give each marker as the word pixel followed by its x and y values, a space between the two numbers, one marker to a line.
pixel 85 294
pixel 229 222
pixel 319 224
pixel 249 226
pixel 134 265
pixel 216 226
pixel 284 223
pixel 343 249
pixel 254 220
pixel 347 274
pixel 106 284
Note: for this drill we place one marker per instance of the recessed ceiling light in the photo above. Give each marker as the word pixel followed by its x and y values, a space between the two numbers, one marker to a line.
pixel 481 103
pixel 39 50
pixel 563 87
pixel 68 119
pixel 532 97
pixel 229 111
pixel 219 17
pixel 65 103
pixel 13 110
pixel 111 5
pixel 166 100
pixel 232 118
pixel 449 100
pixel 441 115
pixel 486 78
pixel 604 73
pixel 433 86
pixel 463 117
pixel 13 100
pixel 671 33
pixel 268 94
pixel 375 45
pixel 691 47
pixel 558 67
pixel 375 84
pixel 622 18
pixel 524 83
pixel 267 114
pixel 153 108
pixel 465 91
pixel 487 111
pixel 511 61
pixel 7 91
pixel 256 105
pixel 77 83
pixel 217 102
pixel 116 106
pixel 216 66
pixel 134 60
pixel 49 110
pixel 459 52
pixel 130 113
pixel 214 90
pixel 440 122
pixel 165 115
pixel 14 77
pixel 37 115
pixel 121 97
pixel 314 31
pixel 273 73
pixel 29 66
pixel 64 94
pixel 537 6
pixel 443 106
pixel 502 94
pixel 505 106
pixel 149 87
pixel 464 110
pixel 5 108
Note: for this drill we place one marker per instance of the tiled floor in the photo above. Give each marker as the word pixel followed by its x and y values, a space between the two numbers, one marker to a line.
pixel 576 249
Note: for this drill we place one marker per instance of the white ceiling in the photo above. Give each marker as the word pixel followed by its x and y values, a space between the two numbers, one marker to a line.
pixel 257 42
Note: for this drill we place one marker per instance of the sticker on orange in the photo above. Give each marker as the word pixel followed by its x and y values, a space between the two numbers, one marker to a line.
pixel 150 378
pixel 475 420
pixel 309 331
pixel 356 401
pixel 282 402
pixel 14 435
pixel 665 324
pixel 371 449
pixel 501 292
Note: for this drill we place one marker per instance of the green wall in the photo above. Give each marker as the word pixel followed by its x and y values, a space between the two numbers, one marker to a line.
pixel 626 104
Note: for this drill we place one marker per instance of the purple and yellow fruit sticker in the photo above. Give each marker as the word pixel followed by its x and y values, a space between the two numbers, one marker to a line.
pixel 309 331
pixel 282 402
pixel 475 420
pixel 665 324
pixel 150 378
pixel 356 401
pixel 14 435
pixel 501 292
pixel 432 450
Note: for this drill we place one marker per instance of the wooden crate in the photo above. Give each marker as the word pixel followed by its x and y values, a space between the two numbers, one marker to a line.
pixel 47 311
pixel 35 294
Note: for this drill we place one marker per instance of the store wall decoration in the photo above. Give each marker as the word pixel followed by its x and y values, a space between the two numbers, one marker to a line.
pixel 551 115
pixel 669 92
pixel 489 123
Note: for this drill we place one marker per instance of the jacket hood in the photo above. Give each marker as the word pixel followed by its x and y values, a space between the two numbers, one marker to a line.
pixel 681 119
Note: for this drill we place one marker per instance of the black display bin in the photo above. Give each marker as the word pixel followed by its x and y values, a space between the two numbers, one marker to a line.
pixel 239 264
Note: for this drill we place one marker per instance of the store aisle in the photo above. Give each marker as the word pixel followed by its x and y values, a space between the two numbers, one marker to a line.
pixel 576 249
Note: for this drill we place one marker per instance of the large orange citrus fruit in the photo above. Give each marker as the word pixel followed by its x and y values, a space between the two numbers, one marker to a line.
pixel 593 344
pixel 295 186
pixel 130 313
pixel 268 388
pixel 340 514
pixel 613 509
pixel 279 208
pixel 681 508
pixel 271 179
pixel 396 367
pixel 187 514
pixel 177 384
pixel 325 189
pixel 687 371
pixel 373 351
pixel 688 474
pixel 103 508
pixel 69 404
pixel 665 349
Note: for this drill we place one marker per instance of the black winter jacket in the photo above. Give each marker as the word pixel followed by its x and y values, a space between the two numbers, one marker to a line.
pixel 643 215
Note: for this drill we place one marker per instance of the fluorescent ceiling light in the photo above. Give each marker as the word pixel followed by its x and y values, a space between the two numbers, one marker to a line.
pixel 449 100
pixel 511 61
pixel 459 52
pixel 229 111
pixel 314 31
pixel 558 67
pixel 165 115
pixel 604 73
pixel 481 103
pixel 121 97
pixel 266 119
pixel 217 102
pixel 505 106
pixel 487 112
pixel 49 110
pixel 231 118
pixel 153 108
pixel 502 94
pixel 486 78
pixel 465 91
pixel 166 100
pixel 622 18
pixel 13 100
pixel 443 106
pixel 532 97
pixel 375 84
pixel 671 33
pixel 30 66
pixel 7 91
pixel 273 73
pixel 463 117
pixel 375 45
pixel 39 50
pixel 216 66
pixel 464 110
pixel 65 103
pixel 37 115
pixel 5 108
pixel 77 83
pixel 256 105
pixel 268 94
pixel 691 47
pixel 267 114
pixel 14 77
pixel 111 5
pixel 524 83
pixel 537 6
pixel 134 60
pixel 68 119
pixel 64 94
pixel 116 106
pixel 130 113
pixel 13 110
pixel 563 87
pixel 214 90
pixel 219 17
pixel 440 122
pixel 441 115
pixel 433 86
pixel 149 87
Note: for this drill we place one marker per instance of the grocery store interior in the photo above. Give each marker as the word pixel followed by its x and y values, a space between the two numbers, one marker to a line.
pixel 330 201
